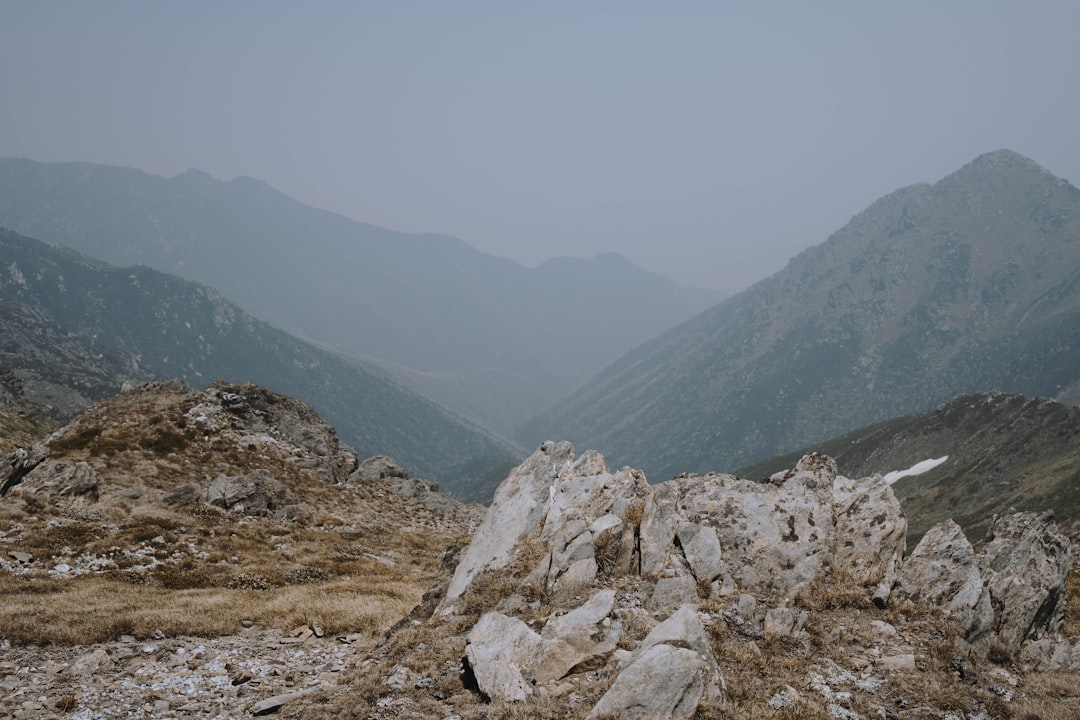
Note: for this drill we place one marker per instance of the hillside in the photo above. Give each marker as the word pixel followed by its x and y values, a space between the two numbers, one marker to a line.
pixel 230 514
pixel 971 284
pixel 73 330
pixel 1002 451
pixel 480 334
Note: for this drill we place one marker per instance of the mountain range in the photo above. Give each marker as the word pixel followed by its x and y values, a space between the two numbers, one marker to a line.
pixel 481 334
pixel 970 284
pixel 74 330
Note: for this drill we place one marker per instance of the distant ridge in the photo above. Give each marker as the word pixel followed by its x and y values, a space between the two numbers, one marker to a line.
pixel 72 330
pixel 971 284
pixel 481 334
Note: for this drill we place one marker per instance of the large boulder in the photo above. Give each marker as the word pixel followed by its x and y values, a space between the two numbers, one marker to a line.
pixel 1025 565
pixel 503 654
pixel 14 466
pixel 578 637
pixel 871 532
pixel 1012 592
pixel 520 503
pixel 376 468
pixel 61 478
pixel 257 493
pixel 942 572
pixel 665 682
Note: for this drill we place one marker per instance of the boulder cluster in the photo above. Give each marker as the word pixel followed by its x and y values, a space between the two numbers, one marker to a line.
pixel 606 551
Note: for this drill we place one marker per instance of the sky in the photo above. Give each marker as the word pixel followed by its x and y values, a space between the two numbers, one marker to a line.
pixel 709 141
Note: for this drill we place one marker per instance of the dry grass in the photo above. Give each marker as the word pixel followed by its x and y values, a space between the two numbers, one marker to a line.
pixel 18 430
pixel 362 562
pixel 836 589
pixel 1072 615
pixel 92 608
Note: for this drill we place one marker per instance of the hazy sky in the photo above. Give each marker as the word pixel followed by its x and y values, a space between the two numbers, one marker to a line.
pixel 707 140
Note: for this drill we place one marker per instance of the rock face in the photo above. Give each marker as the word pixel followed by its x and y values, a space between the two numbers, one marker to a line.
pixel 514 515
pixel 15 465
pixel 680 541
pixel 618 556
pixel 1012 593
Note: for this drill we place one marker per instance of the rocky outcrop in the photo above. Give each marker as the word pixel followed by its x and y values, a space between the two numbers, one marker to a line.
pixel 514 516
pixel 60 478
pixel 15 465
pixel 1010 594
pixel 257 493
pixel 675 543
pixel 618 556
pixel 942 571
pixel 1024 564
pixel 378 467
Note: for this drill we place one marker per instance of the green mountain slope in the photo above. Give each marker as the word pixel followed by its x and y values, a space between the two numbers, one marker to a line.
pixel 1003 451
pixel 73 329
pixel 479 333
pixel 968 285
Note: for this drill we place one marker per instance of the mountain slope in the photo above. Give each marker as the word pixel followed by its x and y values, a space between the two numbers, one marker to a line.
pixel 462 324
pixel 971 284
pixel 1002 451
pixel 73 329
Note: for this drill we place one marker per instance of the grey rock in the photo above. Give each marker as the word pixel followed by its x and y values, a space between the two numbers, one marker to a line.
pixel 777 539
pixel 257 493
pixel 701 547
pixel 93 662
pixel 578 636
pixel 942 571
pixel 504 654
pixel 904 662
pixel 274 703
pixel 779 623
pixel 519 504
pixel 1025 565
pixel 871 532
pixel 15 465
pixel 60 478
pixel 378 467
pixel 186 494
pixel 682 629
pixel 672 592
pixel 664 682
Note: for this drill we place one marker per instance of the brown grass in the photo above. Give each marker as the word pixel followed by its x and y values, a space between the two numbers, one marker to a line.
pixel 94 609
pixel 19 430
pixel 1072 615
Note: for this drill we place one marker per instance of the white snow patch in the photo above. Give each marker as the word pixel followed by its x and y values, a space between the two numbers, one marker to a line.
pixel 917 469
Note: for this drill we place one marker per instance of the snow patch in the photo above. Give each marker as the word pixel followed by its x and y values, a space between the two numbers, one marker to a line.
pixel 917 469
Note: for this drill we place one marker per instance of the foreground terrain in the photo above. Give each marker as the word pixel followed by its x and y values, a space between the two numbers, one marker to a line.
pixel 219 554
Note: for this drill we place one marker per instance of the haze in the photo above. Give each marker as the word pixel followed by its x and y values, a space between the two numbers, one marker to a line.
pixel 700 140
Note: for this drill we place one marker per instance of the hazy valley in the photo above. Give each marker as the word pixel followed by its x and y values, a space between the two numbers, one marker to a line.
pixel 220 537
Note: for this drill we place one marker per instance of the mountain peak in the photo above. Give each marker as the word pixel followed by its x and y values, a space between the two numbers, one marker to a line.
pixel 999 161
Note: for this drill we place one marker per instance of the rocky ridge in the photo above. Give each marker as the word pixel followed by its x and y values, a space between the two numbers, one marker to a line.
pixel 588 593
pixel 202 554
pixel 584 591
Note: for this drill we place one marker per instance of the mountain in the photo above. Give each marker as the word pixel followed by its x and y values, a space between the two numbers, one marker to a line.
pixel 479 333
pixel 73 330
pixel 1001 451
pixel 971 284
